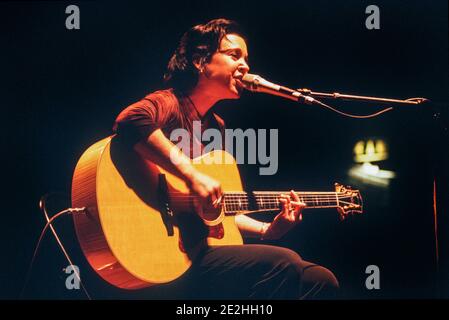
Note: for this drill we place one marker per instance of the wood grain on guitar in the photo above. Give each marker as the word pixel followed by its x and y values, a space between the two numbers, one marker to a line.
pixel 139 233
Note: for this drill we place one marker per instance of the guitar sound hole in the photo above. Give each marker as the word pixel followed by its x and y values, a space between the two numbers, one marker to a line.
pixel 211 214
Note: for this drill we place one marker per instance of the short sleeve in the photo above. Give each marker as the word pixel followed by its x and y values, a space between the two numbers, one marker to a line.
pixel 136 122
pixel 139 120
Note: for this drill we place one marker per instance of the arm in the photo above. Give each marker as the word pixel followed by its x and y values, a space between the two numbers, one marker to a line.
pixel 289 217
pixel 251 228
pixel 157 148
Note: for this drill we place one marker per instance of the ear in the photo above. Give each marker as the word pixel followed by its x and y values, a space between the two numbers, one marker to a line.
pixel 198 62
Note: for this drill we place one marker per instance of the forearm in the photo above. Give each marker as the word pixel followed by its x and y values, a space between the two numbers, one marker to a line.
pixel 163 152
pixel 251 228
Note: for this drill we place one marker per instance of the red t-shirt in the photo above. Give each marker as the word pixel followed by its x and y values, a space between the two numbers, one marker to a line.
pixel 166 110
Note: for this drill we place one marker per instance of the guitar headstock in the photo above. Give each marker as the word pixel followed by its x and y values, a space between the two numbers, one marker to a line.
pixel 349 201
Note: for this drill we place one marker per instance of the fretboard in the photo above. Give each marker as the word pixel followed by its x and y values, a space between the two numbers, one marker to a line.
pixel 235 202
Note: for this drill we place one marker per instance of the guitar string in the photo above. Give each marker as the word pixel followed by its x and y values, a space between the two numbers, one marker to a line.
pixel 230 207
pixel 187 199
pixel 266 197
pixel 276 196
pixel 268 205
pixel 271 193
pixel 228 194
pixel 311 200
pixel 307 199
pixel 241 199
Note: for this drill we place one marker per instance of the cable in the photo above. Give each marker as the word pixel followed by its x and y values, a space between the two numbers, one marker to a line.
pixel 351 115
pixel 42 206
pixel 418 99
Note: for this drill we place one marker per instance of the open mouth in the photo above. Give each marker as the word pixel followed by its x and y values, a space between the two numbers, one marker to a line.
pixel 239 84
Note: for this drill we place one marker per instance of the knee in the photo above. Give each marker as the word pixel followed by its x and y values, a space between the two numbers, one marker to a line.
pixel 329 279
pixel 322 275
pixel 319 283
pixel 302 279
pixel 304 271
pixel 292 265
pixel 290 258
pixel 330 286
pixel 290 273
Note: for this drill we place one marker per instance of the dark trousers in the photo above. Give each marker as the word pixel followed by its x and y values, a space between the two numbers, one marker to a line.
pixel 253 272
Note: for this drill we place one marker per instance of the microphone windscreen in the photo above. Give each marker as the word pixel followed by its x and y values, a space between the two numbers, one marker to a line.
pixel 250 81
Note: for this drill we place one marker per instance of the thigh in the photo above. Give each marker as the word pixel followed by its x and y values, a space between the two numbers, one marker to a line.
pixel 318 282
pixel 232 272
pixel 248 271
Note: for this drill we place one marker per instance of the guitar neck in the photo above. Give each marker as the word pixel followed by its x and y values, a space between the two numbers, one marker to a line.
pixel 235 202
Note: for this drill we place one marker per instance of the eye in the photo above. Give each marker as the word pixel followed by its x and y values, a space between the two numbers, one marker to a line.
pixel 234 55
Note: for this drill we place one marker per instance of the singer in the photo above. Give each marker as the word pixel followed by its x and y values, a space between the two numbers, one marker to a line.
pixel 208 66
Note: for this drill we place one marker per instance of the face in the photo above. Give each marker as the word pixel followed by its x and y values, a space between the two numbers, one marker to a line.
pixel 222 76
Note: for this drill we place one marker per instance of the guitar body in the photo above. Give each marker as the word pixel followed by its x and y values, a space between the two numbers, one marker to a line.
pixel 123 234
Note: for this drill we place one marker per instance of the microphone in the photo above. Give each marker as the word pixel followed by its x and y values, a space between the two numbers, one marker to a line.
pixel 255 83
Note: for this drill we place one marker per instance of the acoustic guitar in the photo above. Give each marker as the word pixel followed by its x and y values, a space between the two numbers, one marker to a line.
pixel 130 232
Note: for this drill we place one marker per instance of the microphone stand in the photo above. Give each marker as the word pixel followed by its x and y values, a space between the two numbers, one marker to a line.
pixel 349 97
pixel 440 159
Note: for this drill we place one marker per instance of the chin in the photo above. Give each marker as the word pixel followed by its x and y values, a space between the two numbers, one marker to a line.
pixel 236 93
pixel 235 96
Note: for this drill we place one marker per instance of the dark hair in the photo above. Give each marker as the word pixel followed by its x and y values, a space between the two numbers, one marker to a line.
pixel 196 45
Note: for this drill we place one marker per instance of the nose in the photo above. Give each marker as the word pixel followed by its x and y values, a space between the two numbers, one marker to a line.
pixel 243 67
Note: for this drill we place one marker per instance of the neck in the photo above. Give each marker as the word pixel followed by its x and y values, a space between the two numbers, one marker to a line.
pixel 202 100
pixel 269 200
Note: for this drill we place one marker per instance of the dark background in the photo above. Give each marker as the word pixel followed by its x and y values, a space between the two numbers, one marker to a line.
pixel 62 89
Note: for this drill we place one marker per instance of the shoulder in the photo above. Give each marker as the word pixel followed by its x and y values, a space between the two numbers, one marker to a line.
pixel 158 101
pixel 162 98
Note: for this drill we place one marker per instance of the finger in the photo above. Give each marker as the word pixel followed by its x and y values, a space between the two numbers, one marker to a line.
pixel 297 214
pixel 197 204
pixel 219 194
pixel 297 209
pixel 283 201
pixel 210 199
pixel 217 202
pixel 298 204
pixel 291 215
pixel 284 205
pixel 290 209
pixel 287 208
pixel 203 196
pixel 214 194
pixel 294 195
